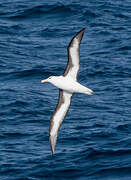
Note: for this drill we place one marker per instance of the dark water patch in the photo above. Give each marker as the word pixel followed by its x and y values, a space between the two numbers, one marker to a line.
pixel 14 135
pixel 124 128
pixel 113 173
pixel 26 74
pixel 96 125
pixel 10 28
pixel 37 11
pixel 53 33
pixel 124 48
pixel 97 156
pixel 112 41
pixel 104 24
pixel 105 134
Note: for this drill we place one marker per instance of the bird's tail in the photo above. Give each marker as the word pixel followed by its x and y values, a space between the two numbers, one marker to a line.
pixel 89 91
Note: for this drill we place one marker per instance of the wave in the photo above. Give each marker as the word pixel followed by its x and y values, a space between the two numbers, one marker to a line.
pixel 113 173
pixel 53 9
pixel 45 9
pixel 124 127
pixel 24 73
pixel 99 153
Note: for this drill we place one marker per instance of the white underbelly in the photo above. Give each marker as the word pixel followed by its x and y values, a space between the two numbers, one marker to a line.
pixel 71 86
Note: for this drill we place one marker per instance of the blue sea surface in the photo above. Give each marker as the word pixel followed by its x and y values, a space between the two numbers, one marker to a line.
pixel 94 141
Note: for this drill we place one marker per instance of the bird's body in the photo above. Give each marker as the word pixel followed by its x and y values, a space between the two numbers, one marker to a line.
pixel 67 84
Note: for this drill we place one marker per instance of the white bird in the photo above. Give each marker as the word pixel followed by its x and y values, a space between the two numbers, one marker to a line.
pixel 67 84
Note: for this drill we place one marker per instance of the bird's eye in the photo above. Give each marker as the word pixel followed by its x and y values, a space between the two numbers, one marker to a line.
pixel 50 77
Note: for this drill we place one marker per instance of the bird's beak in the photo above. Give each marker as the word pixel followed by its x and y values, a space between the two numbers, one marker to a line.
pixel 44 80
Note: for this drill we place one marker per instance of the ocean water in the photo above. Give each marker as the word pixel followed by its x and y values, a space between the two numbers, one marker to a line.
pixel 94 141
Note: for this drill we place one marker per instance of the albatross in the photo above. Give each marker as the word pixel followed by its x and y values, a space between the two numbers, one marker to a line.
pixel 68 85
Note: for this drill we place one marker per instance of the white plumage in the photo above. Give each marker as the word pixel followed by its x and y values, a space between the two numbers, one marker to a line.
pixel 67 84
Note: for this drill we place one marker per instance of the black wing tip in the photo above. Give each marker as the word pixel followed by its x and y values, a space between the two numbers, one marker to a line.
pixel 78 35
pixel 52 140
pixel 52 151
pixel 83 30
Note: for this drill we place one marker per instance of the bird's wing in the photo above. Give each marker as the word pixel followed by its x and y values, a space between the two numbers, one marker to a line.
pixel 58 117
pixel 73 63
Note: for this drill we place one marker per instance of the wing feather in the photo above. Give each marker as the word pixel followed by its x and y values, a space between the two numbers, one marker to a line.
pixel 58 117
pixel 73 63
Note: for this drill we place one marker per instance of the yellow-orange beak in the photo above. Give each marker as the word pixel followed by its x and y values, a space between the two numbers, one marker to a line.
pixel 44 80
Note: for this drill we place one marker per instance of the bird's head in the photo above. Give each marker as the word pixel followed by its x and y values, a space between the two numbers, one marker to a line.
pixel 50 79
